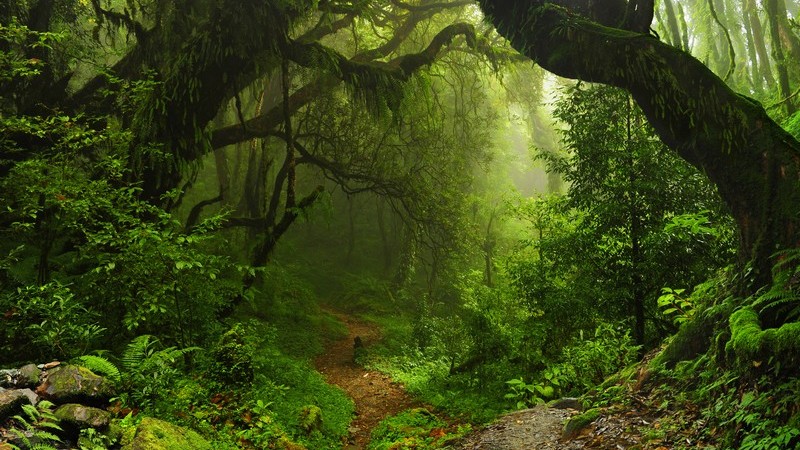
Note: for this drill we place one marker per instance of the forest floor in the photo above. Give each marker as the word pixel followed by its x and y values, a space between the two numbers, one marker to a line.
pixel 375 395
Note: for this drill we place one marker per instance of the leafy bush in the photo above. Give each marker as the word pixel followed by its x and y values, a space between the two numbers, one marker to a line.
pixel 233 357
pixel 584 364
pixel 47 322
pixel 414 429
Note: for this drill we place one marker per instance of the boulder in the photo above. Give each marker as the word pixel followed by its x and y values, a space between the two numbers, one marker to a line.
pixel 75 384
pixel 29 375
pixel 10 402
pixel 154 434
pixel 32 397
pixel 567 403
pixel 82 416
pixel 8 378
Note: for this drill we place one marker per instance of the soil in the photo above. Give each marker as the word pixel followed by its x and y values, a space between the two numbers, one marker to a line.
pixel 375 395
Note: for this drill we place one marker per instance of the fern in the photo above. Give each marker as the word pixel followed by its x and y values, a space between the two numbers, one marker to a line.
pixel 137 351
pixel 783 296
pixel 100 366
pixel 147 371
pixel 142 355
pixel 32 425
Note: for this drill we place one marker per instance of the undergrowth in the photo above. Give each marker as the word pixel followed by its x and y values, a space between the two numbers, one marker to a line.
pixel 415 429
pixel 715 398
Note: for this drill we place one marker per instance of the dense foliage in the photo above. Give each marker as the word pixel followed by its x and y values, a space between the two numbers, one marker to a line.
pixel 187 189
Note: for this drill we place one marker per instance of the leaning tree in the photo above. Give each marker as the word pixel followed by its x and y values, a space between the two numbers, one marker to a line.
pixel 753 161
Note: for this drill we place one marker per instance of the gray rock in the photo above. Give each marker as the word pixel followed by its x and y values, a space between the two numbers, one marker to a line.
pixel 10 402
pixel 75 384
pixel 82 416
pixel 29 375
pixel 9 378
pixel 567 403
pixel 32 397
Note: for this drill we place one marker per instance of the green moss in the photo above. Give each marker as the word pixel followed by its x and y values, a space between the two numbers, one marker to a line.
pixel 311 418
pixel 749 342
pixel 78 384
pixel 579 422
pixel 154 434
pixel 693 338
pixel 792 125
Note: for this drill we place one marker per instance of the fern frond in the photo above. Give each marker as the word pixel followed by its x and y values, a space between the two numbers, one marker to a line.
pixel 50 425
pixel 139 349
pixel 42 446
pixel 30 411
pixel 100 366
pixel 45 405
pixel 22 421
pixel 41 434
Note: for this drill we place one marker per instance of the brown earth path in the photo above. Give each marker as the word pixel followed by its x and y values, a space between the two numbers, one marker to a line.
pixel 375 395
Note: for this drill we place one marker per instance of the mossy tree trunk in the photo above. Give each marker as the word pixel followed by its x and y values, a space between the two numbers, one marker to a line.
pixel 752 160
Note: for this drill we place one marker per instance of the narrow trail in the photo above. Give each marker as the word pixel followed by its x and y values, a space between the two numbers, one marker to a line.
pixel 375 395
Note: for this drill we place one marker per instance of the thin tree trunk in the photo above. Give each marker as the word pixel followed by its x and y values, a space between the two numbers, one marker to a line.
pixel 672 23
pixel 754 73
pixel 771 7
pixel 387 250
pixel 764 60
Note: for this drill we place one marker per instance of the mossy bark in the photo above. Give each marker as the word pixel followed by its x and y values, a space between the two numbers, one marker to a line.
pixel 750 343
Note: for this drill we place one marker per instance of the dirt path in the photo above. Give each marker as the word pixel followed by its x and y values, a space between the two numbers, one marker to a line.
pixel 375 395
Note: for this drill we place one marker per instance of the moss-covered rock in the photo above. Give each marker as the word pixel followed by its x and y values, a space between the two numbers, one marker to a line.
pixel 75 384
pixel 29 375
pixel 82 416
pixel 154 434
pixel 574 425
pixel 10 402
pixel 311 418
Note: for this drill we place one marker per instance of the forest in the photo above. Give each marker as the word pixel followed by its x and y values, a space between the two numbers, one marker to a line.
pixel 401 224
